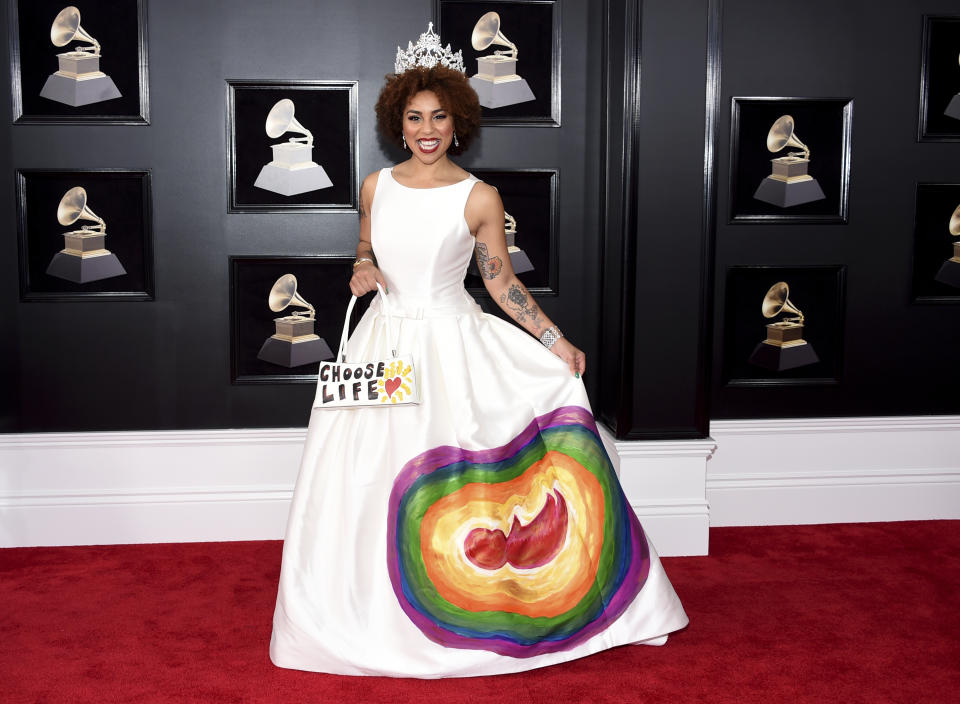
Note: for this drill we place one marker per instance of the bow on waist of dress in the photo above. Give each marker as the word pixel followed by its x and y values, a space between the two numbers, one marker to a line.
pixel 400 306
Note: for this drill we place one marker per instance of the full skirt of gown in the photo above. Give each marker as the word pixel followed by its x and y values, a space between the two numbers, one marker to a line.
pixel 483 531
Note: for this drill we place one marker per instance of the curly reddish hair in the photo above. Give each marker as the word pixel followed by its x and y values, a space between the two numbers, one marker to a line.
pixel 452 89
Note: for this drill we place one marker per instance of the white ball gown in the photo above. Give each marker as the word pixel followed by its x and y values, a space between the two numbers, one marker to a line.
pixel 480 532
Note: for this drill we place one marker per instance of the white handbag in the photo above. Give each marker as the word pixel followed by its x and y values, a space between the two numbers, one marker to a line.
pixel 386 382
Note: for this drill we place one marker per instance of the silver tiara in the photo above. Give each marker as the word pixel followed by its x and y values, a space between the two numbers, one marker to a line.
pixel 428 53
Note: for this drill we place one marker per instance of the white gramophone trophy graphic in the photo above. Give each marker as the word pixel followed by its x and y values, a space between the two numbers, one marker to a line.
pixel 950 270
pixel 784 348
pixel 294 343
pixel 293 170
pixel 84 258
pixel 518 258
pixel 953 108
pixel 79 80
pixel 497 83
pixel 788 183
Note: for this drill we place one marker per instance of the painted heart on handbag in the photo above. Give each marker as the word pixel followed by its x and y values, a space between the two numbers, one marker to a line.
pixel 392 385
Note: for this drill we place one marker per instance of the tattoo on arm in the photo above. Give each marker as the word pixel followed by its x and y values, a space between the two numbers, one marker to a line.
pixel 363 210
pixel 518 300
pixel 490 267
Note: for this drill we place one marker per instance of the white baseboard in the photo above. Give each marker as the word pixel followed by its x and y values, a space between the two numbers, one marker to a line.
pixel 187 486
pixel 184 486
pixel 664 482
pixel 834 470
pixel 144 487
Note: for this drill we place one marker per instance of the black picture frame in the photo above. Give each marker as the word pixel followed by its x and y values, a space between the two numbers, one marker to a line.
pixel 122 197
pixel 939 80
pixel 327 108
pixel 534 26
pixel 121 29
pixel 933 243
pixel 322 280
pixel 817 290
pixel 823 124
pixel 532 197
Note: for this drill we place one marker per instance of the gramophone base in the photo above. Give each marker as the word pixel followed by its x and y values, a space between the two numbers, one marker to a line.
pixel 285 353
pixel 953 109
pixel 77 92
pixel 520 261
pixel 949 273
pixel 291 182
pixel 786 194
pixel 782 358
pixel 499 95
pixel 83 270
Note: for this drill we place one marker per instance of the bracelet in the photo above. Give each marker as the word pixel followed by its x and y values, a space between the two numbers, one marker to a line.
pixel 550 336
pixel 361 260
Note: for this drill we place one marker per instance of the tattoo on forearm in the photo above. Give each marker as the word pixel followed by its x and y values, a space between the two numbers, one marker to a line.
pixel 518 300
pixel 490 267
pixel 363 210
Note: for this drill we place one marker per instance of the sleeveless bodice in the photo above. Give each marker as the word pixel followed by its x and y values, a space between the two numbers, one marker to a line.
pixel 421 239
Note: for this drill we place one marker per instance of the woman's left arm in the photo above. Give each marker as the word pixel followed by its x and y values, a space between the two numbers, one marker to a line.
pixel 484 213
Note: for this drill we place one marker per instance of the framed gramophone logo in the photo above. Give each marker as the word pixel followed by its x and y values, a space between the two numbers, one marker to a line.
pixel 939 119
pixel 936 244
pixel 790 159
pixel 292 145
pixel 783 326
pixel 79 63
pixel 286 316
pixel 530 201
pixel 85 234
pixel 511 50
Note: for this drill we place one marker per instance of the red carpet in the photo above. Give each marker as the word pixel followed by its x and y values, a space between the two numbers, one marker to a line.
pixel 841 613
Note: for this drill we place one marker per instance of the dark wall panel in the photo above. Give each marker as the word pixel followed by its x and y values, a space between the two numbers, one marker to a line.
pixel 654 220
pixel 165 364
pixel 9 282
pixel 670 224
pixel 899 356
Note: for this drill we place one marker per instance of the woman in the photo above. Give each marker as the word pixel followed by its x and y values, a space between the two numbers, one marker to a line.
pixel 483 531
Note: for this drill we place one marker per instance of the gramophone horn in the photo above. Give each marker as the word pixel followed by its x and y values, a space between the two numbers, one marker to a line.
pixel 73 207
pixel 487 32
pixel 66 28
pixel 781 135
pixel 280 119
pixel 777 301
pixel 284 293
pixel 955 222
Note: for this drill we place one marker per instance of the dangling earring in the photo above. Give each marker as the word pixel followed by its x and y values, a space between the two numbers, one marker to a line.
pixel 404 139
pixel 455 142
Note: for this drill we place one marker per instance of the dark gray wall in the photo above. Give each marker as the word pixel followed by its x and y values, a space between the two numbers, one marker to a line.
pixel 655 224
pixel 644 237
pixel 899 357
pixel 165 364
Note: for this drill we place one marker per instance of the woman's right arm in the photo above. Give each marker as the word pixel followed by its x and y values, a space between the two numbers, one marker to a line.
pixel 366 275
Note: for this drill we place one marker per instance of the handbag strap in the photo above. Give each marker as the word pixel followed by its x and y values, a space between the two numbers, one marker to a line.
pixel 385 307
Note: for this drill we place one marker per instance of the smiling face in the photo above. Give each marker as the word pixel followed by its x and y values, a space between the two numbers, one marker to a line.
pixel 427 127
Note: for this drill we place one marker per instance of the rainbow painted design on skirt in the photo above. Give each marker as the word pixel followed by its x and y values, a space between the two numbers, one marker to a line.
pixel 525 549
